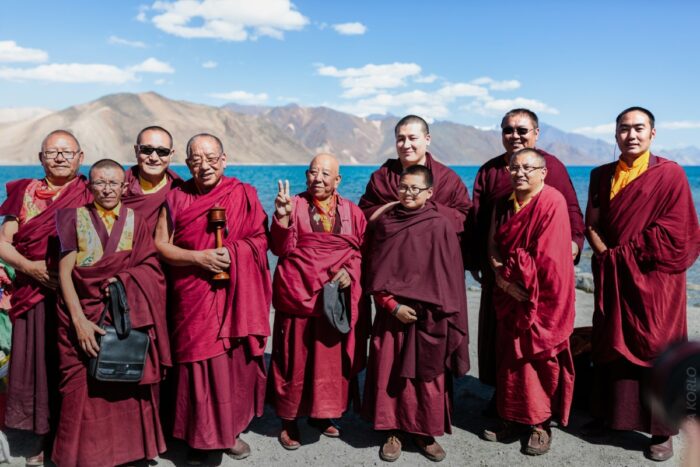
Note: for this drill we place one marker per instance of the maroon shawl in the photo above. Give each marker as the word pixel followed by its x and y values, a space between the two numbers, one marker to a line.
pixel 535 247
pixel 413 259
pixel 139 270
pixel 651 230
pixel 148 206
pixel 205 316
pixel 36 239
pixel 449 192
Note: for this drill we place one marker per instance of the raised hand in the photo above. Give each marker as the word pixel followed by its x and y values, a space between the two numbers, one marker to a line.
pixel 283 201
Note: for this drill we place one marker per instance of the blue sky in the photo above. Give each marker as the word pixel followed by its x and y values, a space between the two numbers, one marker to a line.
pixel 577 64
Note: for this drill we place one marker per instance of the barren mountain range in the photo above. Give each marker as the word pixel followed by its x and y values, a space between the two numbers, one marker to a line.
pixel 107 127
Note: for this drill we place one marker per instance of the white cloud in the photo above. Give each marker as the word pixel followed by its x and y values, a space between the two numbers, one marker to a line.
pixel 350 29
pixel 152 65
pixel 426 79
pixel 11 52
pixel 489 106
pixel 141 16
pixel 228 20
pixel 507 85
pixel 607 129
pixel 452 91
pixel 371 78
pixel 680 125
pixel 210 64
pixel 70 73
pixel 160 81
pixel 242 97
pixel 116 40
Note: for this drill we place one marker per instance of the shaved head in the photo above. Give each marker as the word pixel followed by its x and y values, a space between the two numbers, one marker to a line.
pixel 65 133
pixel 323 176
pixel 326 160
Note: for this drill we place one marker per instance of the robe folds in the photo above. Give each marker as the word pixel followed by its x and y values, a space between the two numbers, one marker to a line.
pixel 312 364
pixel 111 423
pixel 492 183
pixel 147 205
pixel 411 366
pixel 33 378
pixel 449 192
pixel 217 325
pixel 651 230
pixel 535 371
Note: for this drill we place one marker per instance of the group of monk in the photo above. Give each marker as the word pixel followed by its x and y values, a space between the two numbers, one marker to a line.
pixel 204 298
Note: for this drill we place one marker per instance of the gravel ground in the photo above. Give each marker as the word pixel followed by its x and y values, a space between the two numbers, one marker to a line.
pixel 359 444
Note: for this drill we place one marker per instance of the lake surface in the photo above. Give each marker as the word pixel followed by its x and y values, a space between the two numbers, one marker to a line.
pixel 355 178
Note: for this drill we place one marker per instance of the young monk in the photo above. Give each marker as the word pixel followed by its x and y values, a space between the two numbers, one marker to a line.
pixel 420 336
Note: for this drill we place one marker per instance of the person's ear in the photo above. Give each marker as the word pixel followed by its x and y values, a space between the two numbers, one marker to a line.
pixel 429 192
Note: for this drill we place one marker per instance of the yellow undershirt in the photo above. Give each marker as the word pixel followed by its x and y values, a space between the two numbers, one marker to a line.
pixel 517 206
pixel 625 174
pixel 108 216
pixel 148 188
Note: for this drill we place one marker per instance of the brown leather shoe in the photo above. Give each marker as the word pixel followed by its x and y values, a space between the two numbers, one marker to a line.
pixel 391 450
pixel 660 448
pixel 506 433
pixel 327 426
pixel 36 460
pixel 289 436
pixel 539 443
pixel 430 448
pixel 238 451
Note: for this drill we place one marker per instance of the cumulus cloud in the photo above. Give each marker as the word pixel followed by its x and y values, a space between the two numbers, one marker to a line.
pixel 11 52
pixel 141 16
pixel 507 85
pixel 227 20
pixel 607 129
pixel 350 29
pixel 210 64
pixel 242 97
pixel 489 106
pixel 680 125
pixel 116 40
pixel 453 91
pixel 426 79
pixel 153 65
pixel 371 78
pixel 70 73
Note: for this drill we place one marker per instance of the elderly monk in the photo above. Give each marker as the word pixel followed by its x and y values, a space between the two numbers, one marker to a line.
pixel 150 180
pixel 317 236
pixel 530 252
pixel 419 338
pixel 643 229
pixel 28 243
pixel 218 327
pixel 107 423
pixel 412 140
pixel 519 129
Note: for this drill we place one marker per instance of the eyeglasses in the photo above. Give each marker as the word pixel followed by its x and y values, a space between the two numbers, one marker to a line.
pixel 51 154
pixel 412 190
pixel 527 170
pixel 197 161
pixel 161 151
pixel 509 130
pixel 101 185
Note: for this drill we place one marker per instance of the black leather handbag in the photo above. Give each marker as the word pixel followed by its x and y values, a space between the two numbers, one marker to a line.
pixel 123 350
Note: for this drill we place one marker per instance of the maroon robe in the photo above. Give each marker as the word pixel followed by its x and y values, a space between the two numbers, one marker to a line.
pixel 651 230
pixel 535 371
pixel 33 378
pixel 147 205
pixel 408 382
pixel 449 192
pixel 111 423
pixel 218 331
pixel 313 364
pixel 492 183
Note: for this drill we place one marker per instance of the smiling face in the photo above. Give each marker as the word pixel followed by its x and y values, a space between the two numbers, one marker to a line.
pixel 153 153
pixel 413 191
pixel 412 144
pixel 61 158
pixel 106 185
pixel 527 172
pixel 322 177
pixel 206 162
pixel 634 134
pixel 518 132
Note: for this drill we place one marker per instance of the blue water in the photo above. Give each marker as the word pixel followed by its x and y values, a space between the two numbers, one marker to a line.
pixel 264 178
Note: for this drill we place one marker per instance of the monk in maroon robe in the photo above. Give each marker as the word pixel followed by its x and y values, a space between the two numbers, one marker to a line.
pixel 412 140
pixel 218 327
pixel 643 229
pixel 28 243
pixel 419 337
pixel 520 129
pixel 150 180
pixel 107 423
pixel 317 236
pixel 530 251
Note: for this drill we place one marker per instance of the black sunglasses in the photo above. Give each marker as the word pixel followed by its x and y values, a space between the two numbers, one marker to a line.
pixel 148 150
pixel 509 130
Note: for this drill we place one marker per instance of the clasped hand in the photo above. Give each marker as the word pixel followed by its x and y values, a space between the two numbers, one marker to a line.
pixel 215 260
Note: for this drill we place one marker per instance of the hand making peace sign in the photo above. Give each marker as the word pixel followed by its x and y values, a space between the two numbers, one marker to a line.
pixel 283 202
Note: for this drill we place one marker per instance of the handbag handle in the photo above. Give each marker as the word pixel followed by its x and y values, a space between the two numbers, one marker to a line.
pixel 117 304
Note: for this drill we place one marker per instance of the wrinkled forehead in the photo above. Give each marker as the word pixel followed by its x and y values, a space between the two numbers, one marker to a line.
pixel 60 141
pixel 110 174
pixel 205 145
